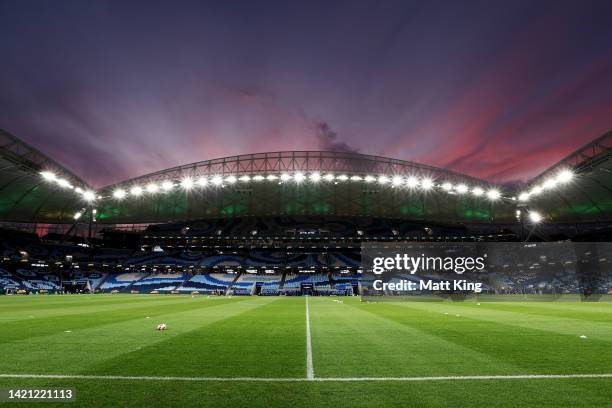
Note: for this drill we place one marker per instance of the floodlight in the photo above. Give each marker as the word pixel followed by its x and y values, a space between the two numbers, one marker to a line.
pixel 493 194
pixel 299 177
pixel 167 185
pixel 535 217
pixel 285 177
pixel 412 182
pixel 550 183
pixel 187 183
pixel 245 178
pixel 89 195
pixel 217 180
pixel 328 177
pixel 383 180
pixel 315 177
pixel 136 191
pixel 427 183
pixel 271 177
pixel 152 188
pixel 397 180
pixel 258 177
pixel 203 181
pixel 461 189
pixel 231 179
pixel 49 176
pixel 369 179
pixel 342 177
pixel 565 176
pixel 356 178
pixel 447 186
pixel 536 190
pixel 477 191
pixel 77 215
pixel 523 197
pixel 119 194
pixel 64 183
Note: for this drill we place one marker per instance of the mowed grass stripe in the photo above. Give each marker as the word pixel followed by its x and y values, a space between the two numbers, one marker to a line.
pixel 350 340
pixel 13 310
pixel 265 339
pixel 513 340
pixel 80 348
pixel 518 318
pixel 600 315
pixel 89 315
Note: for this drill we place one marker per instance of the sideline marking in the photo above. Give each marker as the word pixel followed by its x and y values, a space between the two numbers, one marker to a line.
pixel 309 368
pixel 301 379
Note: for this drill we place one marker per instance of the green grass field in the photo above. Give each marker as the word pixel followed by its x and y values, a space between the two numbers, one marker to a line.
pixel 363 354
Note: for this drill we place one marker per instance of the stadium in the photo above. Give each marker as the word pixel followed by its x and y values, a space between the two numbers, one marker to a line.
pixel 253 265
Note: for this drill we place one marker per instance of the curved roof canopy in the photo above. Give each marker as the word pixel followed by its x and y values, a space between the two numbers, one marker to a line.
pixel 25 196
pixel 304 183
pixel 583 197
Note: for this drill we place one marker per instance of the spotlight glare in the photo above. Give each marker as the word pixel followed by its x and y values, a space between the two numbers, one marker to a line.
pixel 89 195
pixel 49 176
pixel 447 186
pixel 152 188
pixel 245 178
pixel 231 179
pixel 493 194
pixel 461 189
pixel 258 177
pixel 203 181
pixel 369 179
pixel 565 176
pixel 119 194
pixel 217 180
pixel 271 177
pixel 383 179
pixel 299 177
pixel 285 177
pixel 523 197
pixel 187 183
pixel 535 217
pixel 412 182
pixel 167 185
pixel 315 177
pixel 356 178
pixel 548 184
pixel 477 191
pixel 426 183
pixel 397 180
pixel 136 191
pixel 328 177
pixel 64 183
pixel 77 215
pixel 342 177
pixel 536 190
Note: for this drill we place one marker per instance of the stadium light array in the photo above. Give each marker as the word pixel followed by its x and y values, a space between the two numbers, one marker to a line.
pixel 563 177
pixel 396 181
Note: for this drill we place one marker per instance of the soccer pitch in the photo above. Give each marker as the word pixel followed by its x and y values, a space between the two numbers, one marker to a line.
pixel 298 351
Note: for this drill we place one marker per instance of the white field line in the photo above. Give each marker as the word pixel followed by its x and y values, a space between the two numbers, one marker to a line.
pixel 309 368
pixel 302 379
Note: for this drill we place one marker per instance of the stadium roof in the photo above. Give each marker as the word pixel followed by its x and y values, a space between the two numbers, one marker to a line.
pixel 588 196
pixel 24 195
pixel 35 188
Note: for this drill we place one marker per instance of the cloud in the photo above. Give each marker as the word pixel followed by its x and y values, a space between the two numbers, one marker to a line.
pixel 327 139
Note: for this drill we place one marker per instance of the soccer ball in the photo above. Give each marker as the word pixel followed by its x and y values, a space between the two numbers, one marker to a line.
pixel 162 326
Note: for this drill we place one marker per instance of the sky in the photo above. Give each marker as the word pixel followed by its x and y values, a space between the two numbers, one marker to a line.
pixel 499 90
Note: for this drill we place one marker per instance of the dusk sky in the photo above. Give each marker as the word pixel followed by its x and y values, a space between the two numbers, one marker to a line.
pixel 497 90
